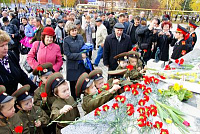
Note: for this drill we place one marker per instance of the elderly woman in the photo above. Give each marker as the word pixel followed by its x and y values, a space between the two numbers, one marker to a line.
pixel 11 73
pixel 163 40
pixel 46 51
pixel 72 47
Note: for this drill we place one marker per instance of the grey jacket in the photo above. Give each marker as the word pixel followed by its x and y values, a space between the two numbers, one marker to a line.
pixel 58 32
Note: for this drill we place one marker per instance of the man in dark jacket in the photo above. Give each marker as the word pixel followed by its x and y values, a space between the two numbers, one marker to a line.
pixel 40 28
pixel 115 44
pixel 106 23
pixel 55 20
pixel 131 30
pixel 146 36
pixel 13 32
pixel 14 20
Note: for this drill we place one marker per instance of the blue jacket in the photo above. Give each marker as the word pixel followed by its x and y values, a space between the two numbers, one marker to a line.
pixel 29 32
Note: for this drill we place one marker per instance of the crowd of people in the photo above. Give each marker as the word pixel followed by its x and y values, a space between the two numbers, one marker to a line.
pixel 51 38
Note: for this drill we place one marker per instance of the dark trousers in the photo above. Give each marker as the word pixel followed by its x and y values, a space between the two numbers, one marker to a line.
pixel 72 87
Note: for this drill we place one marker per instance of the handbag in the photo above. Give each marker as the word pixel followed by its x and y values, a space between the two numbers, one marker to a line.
pixel 26 66
pixel 24 50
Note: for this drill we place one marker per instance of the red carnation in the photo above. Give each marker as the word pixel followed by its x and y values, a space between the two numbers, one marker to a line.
pixel 145 50
pixel 143 116
pixel 97 112
pixel 149 90
pixel 43 95
pixel 154 112
pixel 146 98
pixel 135 92
pixel 133 86
pixel 130 109
pixel 99 91
pixel 167 67
pixel 181 61
pixel 135 48
pixel 162 77
pixel 106 86
pixel 130 106
pixel 39 68
pixel 115 106
pixel 145 92
pixel 156 81
pixel 164 131
pixel 153 107
pixel 105 107
pixel 149 124
pixel 141 110
pixel 176 61
pixel 158 125
pixel 141 123
pixel 129 67
pixel 141 102
pixel 127 88
pixel 19 129
pixel 120 98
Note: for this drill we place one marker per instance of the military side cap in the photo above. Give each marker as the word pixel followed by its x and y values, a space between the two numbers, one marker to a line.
pixel 77 22
pixel 43 69
pixel 119 26
pixel 83 83
pixel 117 72
pixel 96 74
pixel 53 81
pixel 98 20
pixel 122 56
pixel 3 96
pixel 191 24
pixel 60 21
pixel 22 93
pixel 183 31
pixel 133 54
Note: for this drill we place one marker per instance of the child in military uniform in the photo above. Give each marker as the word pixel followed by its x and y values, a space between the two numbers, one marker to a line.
pixel 193 26
pixel 91 98
pixel 134 60
pixel 122 60
pixel 33 116
pixel 180 45
pixel 10 123
pixel 43 98
pixel 64 104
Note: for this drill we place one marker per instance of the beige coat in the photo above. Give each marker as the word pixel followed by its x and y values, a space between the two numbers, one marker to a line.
pixel 101 34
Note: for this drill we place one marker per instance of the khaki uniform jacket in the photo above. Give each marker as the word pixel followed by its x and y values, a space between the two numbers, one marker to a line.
pixel 101 34
pixel 69 116
pixel 30 117
pixel 7 126
pixel 46 106
pixel 90 103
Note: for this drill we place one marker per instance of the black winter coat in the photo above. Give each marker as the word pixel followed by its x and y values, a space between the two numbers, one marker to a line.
pixel 144 35
pixel 72 49
pixel 180 49
pixel 112 48
pixel 17 75
pixel 15 22
pixel 163 43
